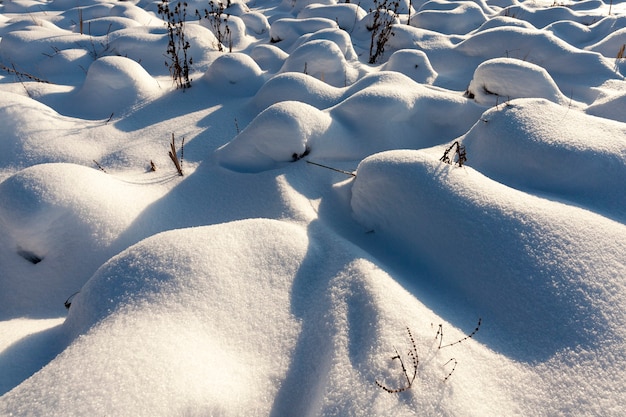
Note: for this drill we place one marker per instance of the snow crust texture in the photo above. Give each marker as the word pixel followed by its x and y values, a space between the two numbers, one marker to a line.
pixel 369 191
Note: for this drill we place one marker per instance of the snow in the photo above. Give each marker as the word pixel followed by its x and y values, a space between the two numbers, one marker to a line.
pixel 261 283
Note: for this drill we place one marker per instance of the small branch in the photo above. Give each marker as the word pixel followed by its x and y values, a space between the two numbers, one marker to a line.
pixel 100 167
pixel 20 74
pixel 453 368
pixel 68 302
pixel 460 153
pixel 412 354
pixel 352 174
pixel 440 334
pixel 174 157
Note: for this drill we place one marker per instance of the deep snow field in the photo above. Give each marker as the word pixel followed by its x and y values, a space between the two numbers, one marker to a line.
pixel 259 284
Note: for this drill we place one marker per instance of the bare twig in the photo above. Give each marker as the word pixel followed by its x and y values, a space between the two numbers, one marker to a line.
pixel 453 368
pixel 352 174
pixel 412 354
pixel 100 167
pixel 440 335
pixel 174 157
pixel 460 153
pixel 21 74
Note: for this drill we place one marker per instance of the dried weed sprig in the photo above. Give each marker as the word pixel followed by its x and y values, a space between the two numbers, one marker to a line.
pixel 412 354
pixel 178 163
pixel 469 336
pixel 383 19
pixel 461 156
pixel 179 62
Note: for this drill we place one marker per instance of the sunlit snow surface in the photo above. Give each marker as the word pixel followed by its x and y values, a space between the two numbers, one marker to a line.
pixel 260 284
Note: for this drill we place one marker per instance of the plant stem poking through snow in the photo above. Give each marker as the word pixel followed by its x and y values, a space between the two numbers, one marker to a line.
pixel 352 174
pixel 440 335
pixel 621 54
pixel 453 368
pixel 174 157
pixel 177 44
pixel 461 156
pixel 68 302
pixel 412 354
pixel 219 24
pixel 21 75
pixel 100 167
pixel 382 22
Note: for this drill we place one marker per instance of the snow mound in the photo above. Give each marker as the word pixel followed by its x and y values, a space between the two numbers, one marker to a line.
pixel 32 48
pixel 374 115
pixel 287 30
pixel 535 144
pixel 113 84
pixel 147 45
pixel 485 242
pixel 269 57
pixel 164 299
pixel 542 17
pixel 234 73
pixel 412 63
pixel 345 14
pixel 321 59
pixel 565 63
pixel 609 106
pixel 388 110
pixel 297 86
pixel 33 133
pixel 281 133
pixel 501 79
pixel 60 222
pixel 220 320
pixel 455 17
pixel 338 36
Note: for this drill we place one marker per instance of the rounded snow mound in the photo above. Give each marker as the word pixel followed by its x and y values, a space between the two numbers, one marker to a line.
pixel 486 242
pixel 234 73
pixel 268 57
pixel 59 222
pixel 610 107
pixel 296 86
pixel 345 14
pixel 501 79
pixel 288 30
pixel 214 268
pixel 281 133
pixel 388 110
pixel 450 17
pixel 338 36
pixel 412 63
pixel 536 144
pixel 322 59
pixel 113 84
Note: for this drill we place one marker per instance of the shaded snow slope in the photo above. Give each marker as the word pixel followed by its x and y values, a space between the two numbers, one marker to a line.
pixel 537 145
pixel 167 315
pixel 493 243
pixel 60 222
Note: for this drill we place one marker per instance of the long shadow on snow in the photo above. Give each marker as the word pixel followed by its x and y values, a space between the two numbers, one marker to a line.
pixel 327 295
pixel 209 195
pixel 28 355
pixel 526 322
